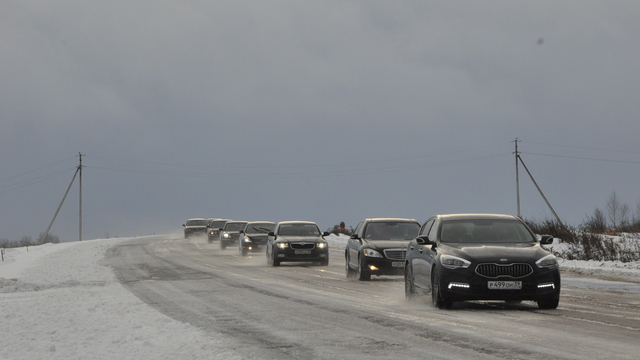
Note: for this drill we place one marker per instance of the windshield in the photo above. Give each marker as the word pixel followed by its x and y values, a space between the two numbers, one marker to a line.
pixel 202 222
pixel 485 231
pixel 391 231
pixel 259 228
pixel 299 229
pixel 234 226
pixel 217 224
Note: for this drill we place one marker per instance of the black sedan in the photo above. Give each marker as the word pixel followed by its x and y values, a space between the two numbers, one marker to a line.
pixel 297 241
pixel 481 257
pixel 254 236
pixel 230 233
pixel 378 247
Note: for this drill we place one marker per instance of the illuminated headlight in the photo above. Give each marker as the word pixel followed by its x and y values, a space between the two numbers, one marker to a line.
pixel 547 286
pixel 321 245
pixel 372 253
pixel 247 239
pixel 226 236
pixel 453 262
pixel 283 245
pixel 548 262
pixel 458 286
pixel 211 232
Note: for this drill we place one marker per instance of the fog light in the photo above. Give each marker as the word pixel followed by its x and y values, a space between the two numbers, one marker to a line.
pixel 373 268
pixel 280 255
pixel 249 248
pixel 323 255
pixel 458 285
pixel 547 286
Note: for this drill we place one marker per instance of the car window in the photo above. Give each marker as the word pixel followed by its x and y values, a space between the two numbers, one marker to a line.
pixel 234 226
pixel 259 228
pixel 299 229
pixel 485 231
pixel 389 230
pixel 426 227
pixel 217 224
pixel 433 232
pixel 197 222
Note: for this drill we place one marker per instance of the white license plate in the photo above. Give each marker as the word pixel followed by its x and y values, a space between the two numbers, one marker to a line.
pixel 397 264
pixel 504 285
pixel 303 252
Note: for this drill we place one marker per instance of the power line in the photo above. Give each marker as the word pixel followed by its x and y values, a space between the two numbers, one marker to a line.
pixel 585 158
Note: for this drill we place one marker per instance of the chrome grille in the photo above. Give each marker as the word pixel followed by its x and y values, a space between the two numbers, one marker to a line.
pixel 303 245
pixel 395 254
pixel 507 270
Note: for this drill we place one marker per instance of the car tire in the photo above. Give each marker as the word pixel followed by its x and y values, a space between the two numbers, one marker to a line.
pixel 363 274
pixel 324 262
pixel 274 261
pixel 349 272
pixel 410 292
pixel 436 296
pixel 551 303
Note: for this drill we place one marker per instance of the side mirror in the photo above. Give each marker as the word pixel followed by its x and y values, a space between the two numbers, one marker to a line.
pixel 326 233
pixel 424 240
pixel 354 237
pixel 241 232
pixel 546 239
pixel 271 233
pixel 184 225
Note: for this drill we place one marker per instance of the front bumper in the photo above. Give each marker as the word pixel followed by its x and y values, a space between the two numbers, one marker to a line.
pixel 290 254
pixel 382 266
pixel 465 284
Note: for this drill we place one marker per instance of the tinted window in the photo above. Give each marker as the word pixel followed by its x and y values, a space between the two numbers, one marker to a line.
pixel 391 231
pixel 197 222
pixel 426 227
pixel 485 231
pixel 217 224
pixel 259 228
pixel 299 229
pixel 234 226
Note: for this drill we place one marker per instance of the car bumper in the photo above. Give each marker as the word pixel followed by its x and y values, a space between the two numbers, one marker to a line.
pixel 460 286
pixel 379 266
pixel 301 255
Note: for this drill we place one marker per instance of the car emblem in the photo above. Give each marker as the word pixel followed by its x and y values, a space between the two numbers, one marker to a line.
pixel 302 243
pixel 504 260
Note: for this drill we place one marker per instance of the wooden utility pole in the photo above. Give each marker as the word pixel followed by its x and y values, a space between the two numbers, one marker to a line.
pixel 517 179
pixel 80 210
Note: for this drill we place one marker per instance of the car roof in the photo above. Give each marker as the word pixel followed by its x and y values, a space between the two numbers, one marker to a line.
pixel 477 216
pixel 390 219
pixel 198 219
pixel 297 222
pixel 236 221
pixel 261 222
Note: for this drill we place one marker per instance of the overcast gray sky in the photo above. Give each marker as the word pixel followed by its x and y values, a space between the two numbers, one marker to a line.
pixel 325 111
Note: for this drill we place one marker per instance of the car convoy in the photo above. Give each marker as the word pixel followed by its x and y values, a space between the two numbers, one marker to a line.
pixel 454 258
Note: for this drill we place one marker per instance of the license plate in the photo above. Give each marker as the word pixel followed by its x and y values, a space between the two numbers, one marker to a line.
pixel 303 252
pixel 504 285
pixel 397 264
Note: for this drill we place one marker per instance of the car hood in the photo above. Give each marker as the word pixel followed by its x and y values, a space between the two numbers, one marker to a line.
pixel 308 239
pixel 386 244
pixel 521 252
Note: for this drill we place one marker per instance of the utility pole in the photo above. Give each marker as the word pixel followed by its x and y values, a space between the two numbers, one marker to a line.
pixel 80 211
pixel 517 178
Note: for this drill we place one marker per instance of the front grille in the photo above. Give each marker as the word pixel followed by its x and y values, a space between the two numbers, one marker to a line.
pixel 395 254
pixel 303 246
pixel 508 270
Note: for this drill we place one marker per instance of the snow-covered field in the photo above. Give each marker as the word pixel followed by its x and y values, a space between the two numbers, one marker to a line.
pixel 59 302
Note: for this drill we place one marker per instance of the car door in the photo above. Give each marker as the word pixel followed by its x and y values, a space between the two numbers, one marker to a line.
pixel 353 245
pixel 422 257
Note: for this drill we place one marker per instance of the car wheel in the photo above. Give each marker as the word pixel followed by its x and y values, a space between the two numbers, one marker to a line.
pixel 551 303
pixel 324 262
pixel 274 260
pixel 349 272
pixel 363 274
pixel 410 292
pixel 436 296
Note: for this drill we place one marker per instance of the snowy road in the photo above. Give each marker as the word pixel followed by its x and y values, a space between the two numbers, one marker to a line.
pixel 304 311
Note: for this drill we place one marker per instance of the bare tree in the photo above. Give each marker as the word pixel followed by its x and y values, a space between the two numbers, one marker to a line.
pixel 597 223
pixel 613 209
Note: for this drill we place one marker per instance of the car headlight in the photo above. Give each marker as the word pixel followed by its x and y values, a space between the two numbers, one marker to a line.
pixel 321 245
pixel 454 262
pixel 283 245
pixel 247 239
pixel 225 235
pixel 548 262
pixel 371 253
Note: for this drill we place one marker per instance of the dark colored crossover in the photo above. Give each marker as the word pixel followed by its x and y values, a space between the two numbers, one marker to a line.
pixel 481 257
pixel 254 236
pixel 378 247
pixel 297 241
